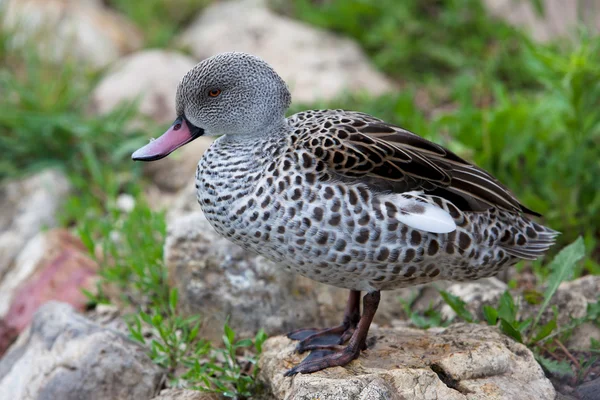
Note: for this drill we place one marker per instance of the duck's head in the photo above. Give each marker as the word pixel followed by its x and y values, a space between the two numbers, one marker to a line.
pixel 230 93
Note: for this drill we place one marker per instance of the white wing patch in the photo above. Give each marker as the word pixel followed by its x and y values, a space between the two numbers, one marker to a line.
pixel 417 213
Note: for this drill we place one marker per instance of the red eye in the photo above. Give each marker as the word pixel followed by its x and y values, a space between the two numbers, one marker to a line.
pixel 214 92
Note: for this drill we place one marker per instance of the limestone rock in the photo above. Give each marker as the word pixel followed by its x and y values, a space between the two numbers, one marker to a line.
pixel 27 206
pixel 217 279
pixel 588 286
pixel 463 361
pixel 65 356
pixel 582 335
pixel 53 266
pixel 560 18
pixel 150 76
pixel 476 294
pixel 185 394
pixel 316 64
pixel 85 30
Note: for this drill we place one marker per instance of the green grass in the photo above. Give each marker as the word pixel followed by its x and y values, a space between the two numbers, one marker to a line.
pixel 423 39
pixel 128 247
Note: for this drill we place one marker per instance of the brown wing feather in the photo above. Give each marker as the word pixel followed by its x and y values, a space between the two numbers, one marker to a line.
pixel 358 145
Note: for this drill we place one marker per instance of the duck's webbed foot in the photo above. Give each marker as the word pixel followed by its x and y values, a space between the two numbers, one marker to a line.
pixel 333 355
pixel 330 336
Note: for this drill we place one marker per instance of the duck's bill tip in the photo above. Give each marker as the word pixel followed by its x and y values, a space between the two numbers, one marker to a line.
pixel 176 136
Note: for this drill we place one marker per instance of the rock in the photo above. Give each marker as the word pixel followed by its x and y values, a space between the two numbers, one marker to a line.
pixel 588 286
pixel 87 31
pixel 53 266
pixel 65 356
pixel 108 316
pixel 560 17
pixel 315 63
pixel 476 294
pixel 27 206
pixel 185 394
pixel 463 361
pixel 218 279
pixel 580 338
pixel 589 390
pixel 131 79
pixel 570 303
pixel 125 202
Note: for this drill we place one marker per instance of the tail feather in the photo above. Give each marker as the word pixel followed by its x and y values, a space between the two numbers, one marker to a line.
pixel 538 239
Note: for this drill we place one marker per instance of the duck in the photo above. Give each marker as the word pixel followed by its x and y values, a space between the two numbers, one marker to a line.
pixel 341 197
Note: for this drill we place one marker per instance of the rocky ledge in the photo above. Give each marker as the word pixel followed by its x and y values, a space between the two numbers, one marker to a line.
pixel 463 361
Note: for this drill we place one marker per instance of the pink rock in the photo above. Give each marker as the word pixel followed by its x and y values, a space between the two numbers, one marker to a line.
pixel 60 273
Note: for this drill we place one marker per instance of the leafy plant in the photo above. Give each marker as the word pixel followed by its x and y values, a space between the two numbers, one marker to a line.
pixel 430 318
pixel 529 331
pixel 230 377
pixel 174 340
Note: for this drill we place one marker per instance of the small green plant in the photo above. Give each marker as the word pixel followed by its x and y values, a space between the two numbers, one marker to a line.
pixel 174 340
pixel 132 261
pixel 541 338
pixel 425 320
pixel 226 373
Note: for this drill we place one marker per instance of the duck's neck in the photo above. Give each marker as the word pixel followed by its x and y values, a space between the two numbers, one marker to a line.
pixel 235 162
pixel 264 134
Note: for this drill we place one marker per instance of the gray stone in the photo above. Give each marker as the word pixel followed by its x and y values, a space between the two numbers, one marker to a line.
pixel 581 337
pixel 315 63
pixel 218 279
pixel 185 394
pixel 65 356
pixel 569 299
pixel 463 361
pixel 587 286
pixel 476 294
pixel 560 18
pixel 27 206
pixel 132 78
pixel 589 390
pixel 86 31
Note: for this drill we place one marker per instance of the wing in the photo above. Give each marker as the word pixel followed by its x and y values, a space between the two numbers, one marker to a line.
pixel 356 145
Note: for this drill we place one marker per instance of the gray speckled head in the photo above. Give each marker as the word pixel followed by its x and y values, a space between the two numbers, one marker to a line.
pixel 251 96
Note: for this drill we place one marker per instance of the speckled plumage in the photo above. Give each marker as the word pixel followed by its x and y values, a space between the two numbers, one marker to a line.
pixel 339 196
pixel 274 195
